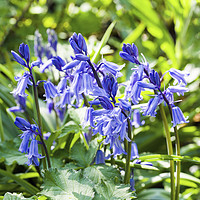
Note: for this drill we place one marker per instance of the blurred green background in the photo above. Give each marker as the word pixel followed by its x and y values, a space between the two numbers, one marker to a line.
pixel 166 32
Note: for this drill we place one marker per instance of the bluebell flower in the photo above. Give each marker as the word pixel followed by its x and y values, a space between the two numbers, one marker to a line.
pixel 117 147
pixel 88 83
pixel 150 109
pixel 110 67
pixel 38 47
pixel 50 105
pixel 113 125
pixel 178 89
pixel 65 98
pixel 81 57
pixel 50 90
pixel 62 85
pixel 78 44
pixel 146 85
pixel 25 141
pixel 110 85
pixel 33 154
pixel 179 76
pixel 88 117
pixel 105 103
pixel 136 93
pixel 18 59
pixel 71 64
pixel 24 52
pixel 124 104
pixel 169 96
pixel 77 86
pixel 133 79
pixel 21 104
pixel 45 65
pixel 137 119
pixel 22 124
pixel 97 91
pixel 82 83
pixel 100 158
pixel 52 39
pixel 155 78
pixel 130 53
pixel 23 82
pixel 134 151
pixel 58 62
pixel 178 117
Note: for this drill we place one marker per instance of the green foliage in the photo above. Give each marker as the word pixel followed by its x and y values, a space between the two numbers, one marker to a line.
pixel 62 184
pixel 166 32
pixel 14 196
pixel 9 153
pixel 81 155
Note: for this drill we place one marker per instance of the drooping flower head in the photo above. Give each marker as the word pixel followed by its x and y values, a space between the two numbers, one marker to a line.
pixel 179 76
pixel 130 53
pixel 50 90
pixel 78 44
pixel 178 117
pixel 33 154
pixel 110 85
pixel 100 158
pixel 23 83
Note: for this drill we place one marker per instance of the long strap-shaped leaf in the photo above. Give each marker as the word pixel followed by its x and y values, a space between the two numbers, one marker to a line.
pixel 30 188
pixel 156 157
pixel 103 41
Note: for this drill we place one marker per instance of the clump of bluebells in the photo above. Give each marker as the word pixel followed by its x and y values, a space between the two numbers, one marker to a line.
pixel 107 114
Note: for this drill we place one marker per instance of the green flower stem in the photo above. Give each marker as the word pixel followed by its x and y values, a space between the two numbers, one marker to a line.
pixel 44 149
pixel 169 149
pixel 30 188
pixel 128 156
pixel 178 164
pixel 1 128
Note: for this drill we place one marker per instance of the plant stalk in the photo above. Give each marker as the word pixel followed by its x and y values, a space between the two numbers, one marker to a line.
pixel 128 156
pixel 178 164
pixel 169 149
pixel 44 149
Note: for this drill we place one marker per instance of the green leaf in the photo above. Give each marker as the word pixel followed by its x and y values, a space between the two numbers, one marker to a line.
pixel 69 127
pixel 81 155
pixel 66 184
pixel 156 157
pixel 132 37
pixel 77 115
pixel 154 194
pixel 98 173
pixel 9 151
pixel 122 163
pixel 30 188
pixel 109 191
pixel 14 196
pixel 103 42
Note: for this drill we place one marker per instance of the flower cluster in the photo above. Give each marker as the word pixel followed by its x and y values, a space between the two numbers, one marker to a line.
pixel 145 78
pixel 107 114
pixel 30 131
